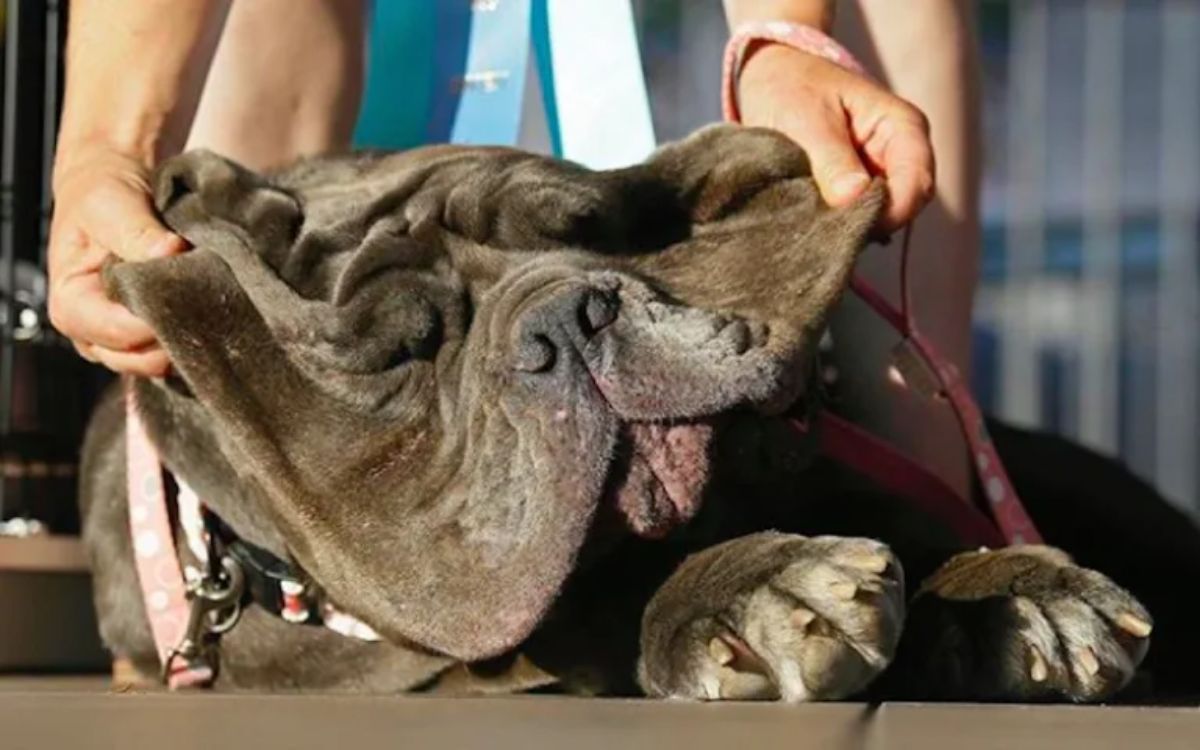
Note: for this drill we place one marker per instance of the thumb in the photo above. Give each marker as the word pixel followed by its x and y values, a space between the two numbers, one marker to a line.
pixel 122 221
pixel 836 167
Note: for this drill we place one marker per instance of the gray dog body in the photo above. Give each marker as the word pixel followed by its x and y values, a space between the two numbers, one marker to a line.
pixel 524 420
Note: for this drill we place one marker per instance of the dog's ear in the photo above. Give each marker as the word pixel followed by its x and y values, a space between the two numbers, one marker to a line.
pixel 762 245
pixel 717 170
pixel 341 289
pixel 354 488
pixel 221 312
pixel 264 405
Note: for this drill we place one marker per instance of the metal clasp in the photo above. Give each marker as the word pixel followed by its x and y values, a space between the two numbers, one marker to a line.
pixel 216 606
pixel 907 369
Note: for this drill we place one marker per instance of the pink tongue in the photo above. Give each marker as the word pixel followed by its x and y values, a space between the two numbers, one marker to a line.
pixel 678 456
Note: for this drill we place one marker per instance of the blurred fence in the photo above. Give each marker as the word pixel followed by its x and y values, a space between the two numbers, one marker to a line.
pixel 1087 312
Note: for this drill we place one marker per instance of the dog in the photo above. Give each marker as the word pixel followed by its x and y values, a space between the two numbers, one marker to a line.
pixel 528 422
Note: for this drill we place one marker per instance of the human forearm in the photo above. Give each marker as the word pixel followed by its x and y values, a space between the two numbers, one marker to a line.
pixel 128 69
pixel 816 13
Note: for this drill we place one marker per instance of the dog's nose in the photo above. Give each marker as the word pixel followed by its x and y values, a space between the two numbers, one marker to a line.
pixel 568 318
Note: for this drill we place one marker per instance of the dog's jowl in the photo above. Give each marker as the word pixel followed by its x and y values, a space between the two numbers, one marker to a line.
pixel 524 425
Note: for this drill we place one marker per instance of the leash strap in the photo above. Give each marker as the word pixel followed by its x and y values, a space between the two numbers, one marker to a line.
pixel 164 591
pixel 597 107
pixel 478 101
pixel 593 91
pixel 916 362
pixel 1005 505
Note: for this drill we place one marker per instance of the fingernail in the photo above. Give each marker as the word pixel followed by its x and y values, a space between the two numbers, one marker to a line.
pixel 168 244
pixel 849 185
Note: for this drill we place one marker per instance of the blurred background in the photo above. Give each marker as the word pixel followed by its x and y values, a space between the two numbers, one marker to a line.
pixel 1087 309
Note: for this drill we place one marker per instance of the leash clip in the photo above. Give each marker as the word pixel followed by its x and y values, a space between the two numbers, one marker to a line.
pixel 909 369
pixel 216 606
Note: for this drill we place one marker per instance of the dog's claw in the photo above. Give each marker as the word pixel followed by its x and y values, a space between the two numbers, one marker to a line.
pixel 802 618
pixel 809 622
pixel 1068 632
pixel 1037 670
pixel 870 563
pixel 1134 625
pixel 720 651
pixel 843 590
pixel 1088 662
pixel 735 685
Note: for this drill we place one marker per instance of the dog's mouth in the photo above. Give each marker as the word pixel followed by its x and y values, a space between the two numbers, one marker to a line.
pixel 659 474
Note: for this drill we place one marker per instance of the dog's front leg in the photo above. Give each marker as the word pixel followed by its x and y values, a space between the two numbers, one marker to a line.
pixel 770 616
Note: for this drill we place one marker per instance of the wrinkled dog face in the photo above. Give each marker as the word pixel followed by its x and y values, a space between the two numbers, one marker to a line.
pixel 435 366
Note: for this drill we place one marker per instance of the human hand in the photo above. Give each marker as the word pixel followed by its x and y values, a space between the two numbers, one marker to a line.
pixel 850 126
pixel 103 207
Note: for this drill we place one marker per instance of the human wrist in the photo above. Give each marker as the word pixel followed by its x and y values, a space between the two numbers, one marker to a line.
pixel 129 123
pixel 97 151
pixel 818 14
pixel 755 48
pixel 137 138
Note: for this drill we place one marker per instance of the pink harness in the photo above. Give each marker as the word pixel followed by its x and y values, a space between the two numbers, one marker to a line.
pixel 179 608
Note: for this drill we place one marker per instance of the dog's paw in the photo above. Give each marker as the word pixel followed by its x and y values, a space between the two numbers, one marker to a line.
pixel 774 616
pixel 1024 623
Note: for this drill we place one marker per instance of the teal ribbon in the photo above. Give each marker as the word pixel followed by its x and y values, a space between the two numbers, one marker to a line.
pixel 455 71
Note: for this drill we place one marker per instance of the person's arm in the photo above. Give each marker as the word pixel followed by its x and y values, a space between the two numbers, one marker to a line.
pixel 131 68
pixel 849 125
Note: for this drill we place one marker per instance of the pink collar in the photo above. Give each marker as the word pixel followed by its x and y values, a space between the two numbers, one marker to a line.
pixel 176 598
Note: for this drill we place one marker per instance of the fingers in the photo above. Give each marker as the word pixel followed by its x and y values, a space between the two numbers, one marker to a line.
pixel 121 219
pixel 795 93
pixel 101 211
pixel 849 126
pixel 149 363
pixel 835 163
pixel 899 148
pixel 80 310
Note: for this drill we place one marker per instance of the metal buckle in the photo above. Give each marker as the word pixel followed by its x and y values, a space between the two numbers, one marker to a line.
pixel 216 606
pixel 909 370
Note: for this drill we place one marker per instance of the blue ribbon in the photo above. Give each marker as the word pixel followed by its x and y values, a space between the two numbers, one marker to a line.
pixel 479 85
pixel 472 57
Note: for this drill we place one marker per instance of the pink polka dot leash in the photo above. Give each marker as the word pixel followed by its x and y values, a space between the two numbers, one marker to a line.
pixel 164 590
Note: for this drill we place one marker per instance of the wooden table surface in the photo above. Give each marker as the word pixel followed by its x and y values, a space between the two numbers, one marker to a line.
pixel 79 713
pixel 44 554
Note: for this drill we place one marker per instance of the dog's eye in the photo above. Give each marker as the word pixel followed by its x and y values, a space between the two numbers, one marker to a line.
pixel 426 346
pixel 399 357
pixel 421 345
